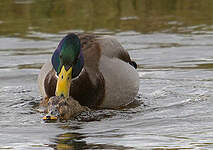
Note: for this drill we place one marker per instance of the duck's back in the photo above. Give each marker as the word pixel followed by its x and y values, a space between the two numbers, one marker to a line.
pixel 121 79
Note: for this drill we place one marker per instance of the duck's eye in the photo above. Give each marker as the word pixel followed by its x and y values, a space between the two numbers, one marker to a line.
pixel 68 78
pixel 75 61
pixel 62 76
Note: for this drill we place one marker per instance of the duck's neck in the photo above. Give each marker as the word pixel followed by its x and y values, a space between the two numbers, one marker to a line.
pixel 77 68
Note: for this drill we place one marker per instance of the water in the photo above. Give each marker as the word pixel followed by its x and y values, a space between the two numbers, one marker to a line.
pixel 170 40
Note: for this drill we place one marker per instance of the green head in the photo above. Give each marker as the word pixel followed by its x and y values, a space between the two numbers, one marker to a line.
pixel 70 50
pixel 68 62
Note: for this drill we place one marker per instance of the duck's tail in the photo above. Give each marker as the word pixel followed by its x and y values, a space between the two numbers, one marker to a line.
pixel 133 63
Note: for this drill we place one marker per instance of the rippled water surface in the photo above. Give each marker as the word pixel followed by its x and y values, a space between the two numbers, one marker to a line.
pixel 172 42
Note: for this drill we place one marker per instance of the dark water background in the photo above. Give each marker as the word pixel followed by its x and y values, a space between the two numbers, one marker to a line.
pixel 171 40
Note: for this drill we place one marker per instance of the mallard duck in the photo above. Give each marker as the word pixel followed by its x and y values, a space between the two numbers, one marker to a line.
pixel 94 70
pixel 63 108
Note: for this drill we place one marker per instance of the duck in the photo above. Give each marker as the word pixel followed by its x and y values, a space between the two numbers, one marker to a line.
pixel 60 108
pixel 93 69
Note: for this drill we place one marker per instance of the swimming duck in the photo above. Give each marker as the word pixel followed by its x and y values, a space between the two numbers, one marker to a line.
pixel 94 70
pixel 63 109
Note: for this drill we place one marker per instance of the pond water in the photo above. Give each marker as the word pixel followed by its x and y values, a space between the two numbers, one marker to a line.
pixel 171 41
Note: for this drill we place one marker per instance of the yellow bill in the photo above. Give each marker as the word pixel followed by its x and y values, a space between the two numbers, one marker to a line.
pixel 49 118
pixel 64 82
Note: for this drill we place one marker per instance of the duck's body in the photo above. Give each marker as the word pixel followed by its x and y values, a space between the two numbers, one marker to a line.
pixel 107 79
